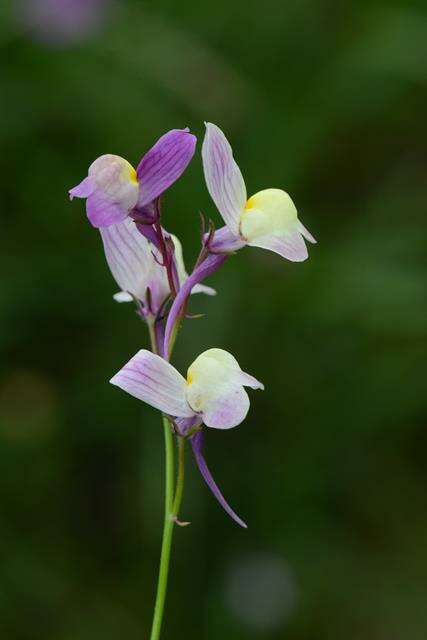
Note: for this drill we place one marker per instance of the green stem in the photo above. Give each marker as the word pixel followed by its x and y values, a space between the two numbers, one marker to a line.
pixel 152 332
pixel 180 481
pixel 172 506
pixel 167 534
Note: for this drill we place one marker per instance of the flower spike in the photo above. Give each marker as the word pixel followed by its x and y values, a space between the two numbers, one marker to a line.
pixel 114 189
pixel 267 219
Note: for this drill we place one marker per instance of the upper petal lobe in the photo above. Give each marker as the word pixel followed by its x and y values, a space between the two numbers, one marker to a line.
pixel 223 177
pixel 164 163
pixel 153 380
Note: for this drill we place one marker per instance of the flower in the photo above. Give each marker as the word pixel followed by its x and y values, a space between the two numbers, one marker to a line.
pixel 267 219
pixel 213 392
pixel 113 188
pixel 136 266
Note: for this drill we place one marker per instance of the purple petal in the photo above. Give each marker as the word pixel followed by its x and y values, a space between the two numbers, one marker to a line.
pixel 292 246
pixel 102 211
pixel 164 163
pixel 153 380
pixel 197 445
pixel 223 177
pixel 82 190
pixel 209 266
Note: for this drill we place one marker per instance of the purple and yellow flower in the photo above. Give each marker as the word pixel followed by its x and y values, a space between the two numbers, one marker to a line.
pixel 136 266
pixel 113 188
pixel 267 219
pixel 213 392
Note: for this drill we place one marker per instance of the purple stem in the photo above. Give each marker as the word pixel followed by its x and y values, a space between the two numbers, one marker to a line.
pixel 205 269
pixel 197 445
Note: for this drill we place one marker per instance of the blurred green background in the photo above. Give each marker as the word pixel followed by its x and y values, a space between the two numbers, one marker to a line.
pixel 327 100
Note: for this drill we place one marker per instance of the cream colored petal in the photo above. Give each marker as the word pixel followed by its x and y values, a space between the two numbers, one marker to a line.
pixel 215 389
pixel 270 221
pixel 268 212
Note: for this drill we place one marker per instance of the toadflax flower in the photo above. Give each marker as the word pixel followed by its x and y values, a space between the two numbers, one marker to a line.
pixel 113 188
pixel 267 219
pixel 136 266
pixel 213 392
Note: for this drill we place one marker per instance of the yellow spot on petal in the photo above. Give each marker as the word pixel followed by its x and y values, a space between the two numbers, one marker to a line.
pixel 132 176
pixel 129 173
pixel 250 203
pixel 189 378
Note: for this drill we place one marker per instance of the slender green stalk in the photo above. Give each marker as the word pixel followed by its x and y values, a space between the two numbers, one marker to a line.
pixel 180 481
pixel 167 534
pixel 152 332
pixel 172 506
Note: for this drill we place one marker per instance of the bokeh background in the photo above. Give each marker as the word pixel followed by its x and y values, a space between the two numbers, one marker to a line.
pixel 327 100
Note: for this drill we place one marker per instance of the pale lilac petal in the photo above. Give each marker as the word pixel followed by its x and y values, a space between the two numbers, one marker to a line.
pixel 129 257
pixel 305 232
pixel 153 380
pixel 102 211
pixel 158 283
pixel 228 409
pixel 225 241
pixel 223 177
pixel 164 163
pixel 290 246
pixel 82 190
pixel 197 442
